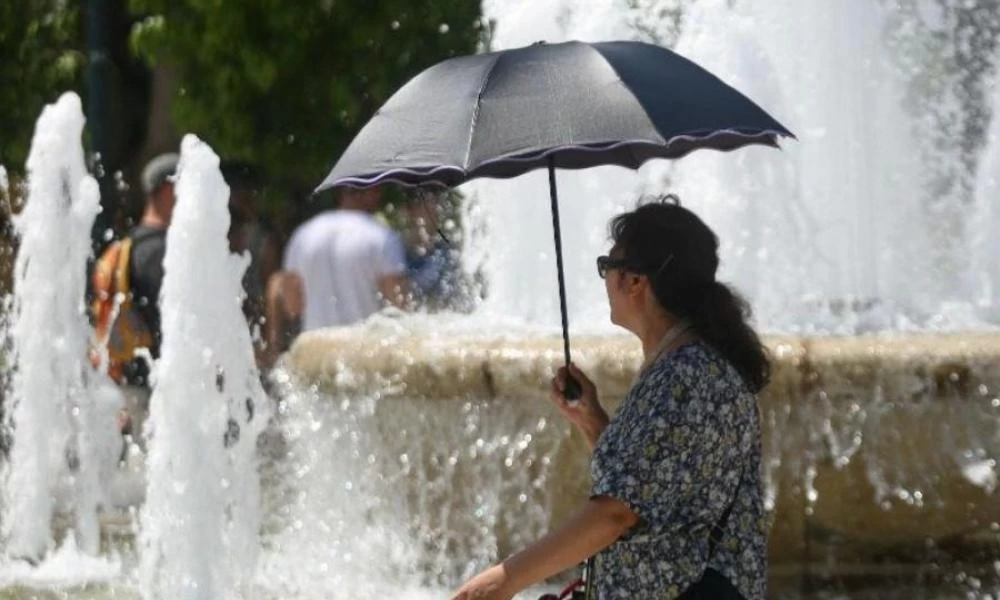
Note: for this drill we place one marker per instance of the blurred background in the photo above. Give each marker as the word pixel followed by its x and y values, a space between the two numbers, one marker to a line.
pixel 279 87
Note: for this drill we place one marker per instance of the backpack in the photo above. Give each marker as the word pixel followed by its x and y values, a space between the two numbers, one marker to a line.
pixel 118 324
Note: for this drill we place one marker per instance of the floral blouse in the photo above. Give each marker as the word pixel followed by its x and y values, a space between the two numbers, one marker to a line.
pixel 683 448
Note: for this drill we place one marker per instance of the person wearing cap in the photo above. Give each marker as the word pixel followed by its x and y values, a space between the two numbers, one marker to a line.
pixel 149 239
pixel 145 275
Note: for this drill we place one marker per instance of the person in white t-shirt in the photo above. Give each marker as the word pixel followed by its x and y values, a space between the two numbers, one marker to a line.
pixel 340 267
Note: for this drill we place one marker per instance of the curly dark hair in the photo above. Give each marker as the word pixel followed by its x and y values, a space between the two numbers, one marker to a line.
pixel 679 253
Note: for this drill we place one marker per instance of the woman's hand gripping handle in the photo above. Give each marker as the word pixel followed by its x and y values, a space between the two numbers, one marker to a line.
pixel 585 411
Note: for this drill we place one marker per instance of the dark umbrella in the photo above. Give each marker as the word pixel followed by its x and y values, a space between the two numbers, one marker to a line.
pixel 571 105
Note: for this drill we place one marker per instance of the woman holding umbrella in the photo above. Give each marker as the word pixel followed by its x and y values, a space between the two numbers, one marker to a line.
pixel 676 509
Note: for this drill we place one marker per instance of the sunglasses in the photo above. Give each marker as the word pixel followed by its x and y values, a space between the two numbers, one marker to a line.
pixel 606 263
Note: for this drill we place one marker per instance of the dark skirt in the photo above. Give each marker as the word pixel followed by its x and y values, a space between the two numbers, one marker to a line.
pixel 712 586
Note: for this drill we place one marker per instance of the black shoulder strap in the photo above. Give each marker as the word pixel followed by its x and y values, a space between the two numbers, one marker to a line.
pixel 143 235
pixel 590 579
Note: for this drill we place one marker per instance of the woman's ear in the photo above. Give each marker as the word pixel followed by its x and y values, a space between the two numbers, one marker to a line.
pixel 635 283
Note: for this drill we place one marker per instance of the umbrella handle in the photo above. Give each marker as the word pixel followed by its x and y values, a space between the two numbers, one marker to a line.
pixel 572 391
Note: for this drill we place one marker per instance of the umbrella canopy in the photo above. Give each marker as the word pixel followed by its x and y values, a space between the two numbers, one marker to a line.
pixel 578 105
pixel 571 105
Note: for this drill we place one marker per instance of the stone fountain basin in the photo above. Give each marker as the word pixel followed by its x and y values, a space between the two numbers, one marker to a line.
pixel 886 441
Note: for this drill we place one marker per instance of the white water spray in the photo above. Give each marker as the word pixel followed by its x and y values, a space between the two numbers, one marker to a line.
pixel 830 233
pixel 986 215
pixel 201 518
pixel 836 233
pixel 61 427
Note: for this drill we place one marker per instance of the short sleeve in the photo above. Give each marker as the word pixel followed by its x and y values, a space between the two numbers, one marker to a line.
pixel 661 447
pixel 392 256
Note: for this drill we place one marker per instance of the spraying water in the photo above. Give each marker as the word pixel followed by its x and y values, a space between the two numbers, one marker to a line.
pixel 367 504
pixel 834 234
pixel 61 428
pixel 845 202
pixel 201 518
pixel 986 214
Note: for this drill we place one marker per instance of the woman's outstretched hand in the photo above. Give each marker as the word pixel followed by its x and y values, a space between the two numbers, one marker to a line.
pixel 586 413
pixel 491 584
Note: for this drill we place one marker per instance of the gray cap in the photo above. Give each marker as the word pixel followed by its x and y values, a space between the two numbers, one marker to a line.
pixel 158 170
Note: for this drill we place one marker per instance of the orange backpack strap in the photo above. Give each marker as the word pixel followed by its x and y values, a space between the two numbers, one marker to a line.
pixel 103 284
pixel 110 278
pixel 122 280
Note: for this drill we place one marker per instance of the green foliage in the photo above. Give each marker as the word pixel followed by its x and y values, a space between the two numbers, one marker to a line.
pixel 287 84
pixel 41 56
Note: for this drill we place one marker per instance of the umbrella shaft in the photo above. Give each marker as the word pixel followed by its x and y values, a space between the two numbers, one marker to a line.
pixel 557 237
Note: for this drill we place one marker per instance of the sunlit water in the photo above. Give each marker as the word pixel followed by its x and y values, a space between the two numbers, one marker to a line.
pixel 984 233
pixel 201 516
pixel 841 231
pixel 59 412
